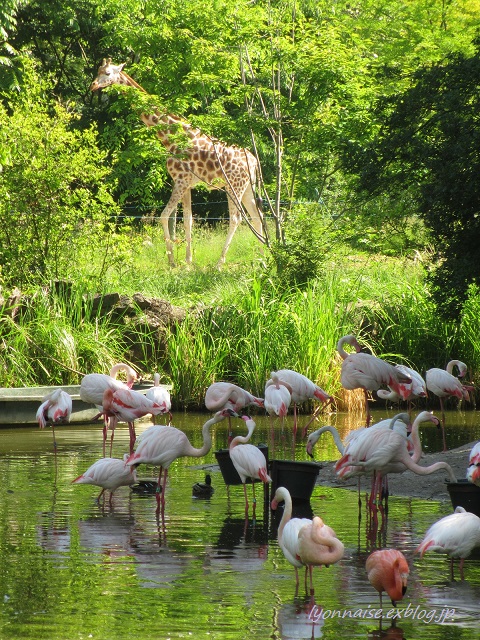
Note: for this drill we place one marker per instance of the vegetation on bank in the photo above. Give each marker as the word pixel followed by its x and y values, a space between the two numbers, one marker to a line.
pixel 241 323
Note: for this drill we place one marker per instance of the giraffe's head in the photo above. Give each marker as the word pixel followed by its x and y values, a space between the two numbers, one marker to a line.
pixel 107 75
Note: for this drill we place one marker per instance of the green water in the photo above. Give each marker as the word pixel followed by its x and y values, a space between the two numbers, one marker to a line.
pixel 72 569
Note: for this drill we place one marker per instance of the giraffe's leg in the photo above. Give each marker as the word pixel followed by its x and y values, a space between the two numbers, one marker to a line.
pixel 235 218
pixel 187 223
pixel 250 204
pixel 178 191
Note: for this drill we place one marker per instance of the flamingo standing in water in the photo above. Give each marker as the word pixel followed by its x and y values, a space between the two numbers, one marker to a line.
pixel 417 388
pixel 301 389
pixel 364 371
pixel 162 444
pixel 226 395
pixel 108 473
pixel 388 571
pixel 288 530
pixel 126 405
pixel 160 395
pixel 318 545
pixel 249 461
pixel 473 471
pixel 442 383
pixel 456 535
pixel 56 408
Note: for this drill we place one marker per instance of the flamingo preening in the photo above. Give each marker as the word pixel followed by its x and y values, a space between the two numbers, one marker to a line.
pixel 56 408
pixel 364 371
pixel 473 471
pixel 301 389
pixel 160 395
pixel 126 405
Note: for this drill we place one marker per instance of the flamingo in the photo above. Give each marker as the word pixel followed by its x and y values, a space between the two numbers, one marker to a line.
pixel 162 444
pixel 389 449
pixel 388 571
pixel 314 437
pixel 226 395
pixel 56 408
pixel 108 473
pixel 288 530
pixel 203 489
pixel 417 388
pixel 249 461
pixel 160 395
pixel 318 545
pixel 278 396
pixel 93 385
pixel 364 371
pixel 301 389
pixel 443 384
pixel 473 471
pixel 126 405
pixel 386 451
pixel 456 535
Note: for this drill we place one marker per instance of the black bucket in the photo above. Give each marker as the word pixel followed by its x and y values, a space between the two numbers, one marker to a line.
pixel 229 473
pixel 465 494
pixel 298 477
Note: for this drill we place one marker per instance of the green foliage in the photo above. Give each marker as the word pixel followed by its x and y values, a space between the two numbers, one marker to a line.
pixel 300 257
pixel 53 197
pixel 52 337
pixel 429 145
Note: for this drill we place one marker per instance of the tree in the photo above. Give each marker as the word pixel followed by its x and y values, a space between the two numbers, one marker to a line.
pixel 428 145
pixel 54 202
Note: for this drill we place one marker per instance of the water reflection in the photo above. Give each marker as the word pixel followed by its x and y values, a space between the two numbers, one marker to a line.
pixel 74 568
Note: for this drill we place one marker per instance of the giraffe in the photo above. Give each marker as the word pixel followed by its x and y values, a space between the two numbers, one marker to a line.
pixel 204 159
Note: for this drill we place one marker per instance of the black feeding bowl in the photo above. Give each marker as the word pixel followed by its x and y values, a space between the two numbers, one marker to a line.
pixel 465 494
pixel 298 477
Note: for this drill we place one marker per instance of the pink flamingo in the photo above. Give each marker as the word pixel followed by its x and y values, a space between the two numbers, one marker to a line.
pixel 277 396
pixel 288 530
pixel 456 535
pixel 364 371
pixel 160 395
pixel 301 389
pixel 386 451
pixel 473 471
pixel 249 461
pixel 108 473
pixel 56 408
pixel 318 545
pixel 443 384
pixel 93 385
pixel 162 444
pixel 126 405
pixel 417 388
pixel 388 571
pixel 226 395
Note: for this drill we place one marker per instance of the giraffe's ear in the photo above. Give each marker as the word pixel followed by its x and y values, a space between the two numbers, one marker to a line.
pixel 120 66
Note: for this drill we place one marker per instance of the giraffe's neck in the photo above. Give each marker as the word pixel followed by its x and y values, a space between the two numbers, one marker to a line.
pixel 171 123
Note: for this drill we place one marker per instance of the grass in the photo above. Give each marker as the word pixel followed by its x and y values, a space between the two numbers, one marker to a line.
pixel 241 323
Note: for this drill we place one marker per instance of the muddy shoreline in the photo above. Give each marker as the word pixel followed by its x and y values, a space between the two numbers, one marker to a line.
pixel 408 484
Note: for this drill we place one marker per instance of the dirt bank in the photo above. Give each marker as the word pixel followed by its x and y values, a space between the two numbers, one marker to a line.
pixel 409 484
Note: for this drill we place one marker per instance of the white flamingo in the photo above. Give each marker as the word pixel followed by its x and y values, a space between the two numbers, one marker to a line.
pixel 443 384
pixel 456 535
pixel 364 371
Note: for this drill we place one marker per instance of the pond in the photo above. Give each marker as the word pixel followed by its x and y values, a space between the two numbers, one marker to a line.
pixel 72 568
